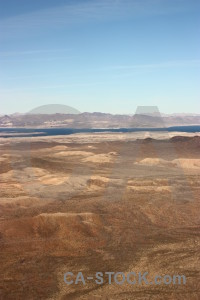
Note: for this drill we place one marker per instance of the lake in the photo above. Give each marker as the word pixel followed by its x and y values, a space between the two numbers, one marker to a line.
pixel 30 132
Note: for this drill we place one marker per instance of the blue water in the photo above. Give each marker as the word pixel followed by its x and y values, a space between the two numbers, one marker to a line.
pixel 30 132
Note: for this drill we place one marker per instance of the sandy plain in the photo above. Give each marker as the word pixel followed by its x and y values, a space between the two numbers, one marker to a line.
pixel 99 203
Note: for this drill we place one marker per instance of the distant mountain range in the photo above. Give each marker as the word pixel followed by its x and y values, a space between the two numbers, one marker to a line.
pixel 97 120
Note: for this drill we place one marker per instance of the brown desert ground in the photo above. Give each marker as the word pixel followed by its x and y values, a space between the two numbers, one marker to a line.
pixel 99 203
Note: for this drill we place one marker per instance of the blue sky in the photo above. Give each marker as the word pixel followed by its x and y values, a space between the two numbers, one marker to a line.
pixel 109 56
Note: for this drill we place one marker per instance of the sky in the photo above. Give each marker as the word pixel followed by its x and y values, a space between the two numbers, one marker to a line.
pixel 100 55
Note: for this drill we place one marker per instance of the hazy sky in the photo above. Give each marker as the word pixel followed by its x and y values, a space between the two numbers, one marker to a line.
pixel 97 55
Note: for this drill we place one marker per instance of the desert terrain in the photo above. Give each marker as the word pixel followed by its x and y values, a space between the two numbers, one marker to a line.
pixel 99 203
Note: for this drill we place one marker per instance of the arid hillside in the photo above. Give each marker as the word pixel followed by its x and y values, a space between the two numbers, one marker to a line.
pixel 90 204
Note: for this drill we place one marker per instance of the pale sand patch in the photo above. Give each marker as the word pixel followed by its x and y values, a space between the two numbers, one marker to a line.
pixel 155 162
pixel 156 182
pixel 100 158
pixel 8 175
pixel 101 178
pixel 85 217
pixel 3 158
pixel 49 179
pixel 6 155
pixel 59 148
pixel 55 148
pixel 66 214
pixel 35 173
pixel 150 188
pixel 29 175
pixel 185 163
pixel 98 182
pixel 45 177
pixel 24 201
pixel 9 156
pixel 10 186
pixel 72 153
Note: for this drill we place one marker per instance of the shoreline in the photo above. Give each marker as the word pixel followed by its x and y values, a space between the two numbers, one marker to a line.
pixel 98 137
